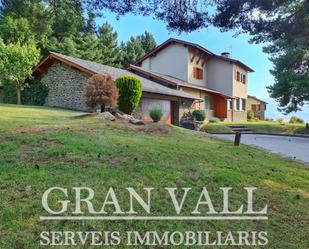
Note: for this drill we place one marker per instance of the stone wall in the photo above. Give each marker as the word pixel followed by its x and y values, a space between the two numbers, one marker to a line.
pixel 66 87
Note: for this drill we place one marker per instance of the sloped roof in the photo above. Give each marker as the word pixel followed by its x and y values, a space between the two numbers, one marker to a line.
pixel 195 46
pixel 90 68
pixel 253 97
pixel 172 80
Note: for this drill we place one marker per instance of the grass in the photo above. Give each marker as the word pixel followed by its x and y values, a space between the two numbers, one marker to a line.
pixel 259 127
pixel 275 127
pixel 103 154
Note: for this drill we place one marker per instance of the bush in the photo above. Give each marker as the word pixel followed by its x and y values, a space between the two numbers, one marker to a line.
pixel 156 114
pixel 130 93
pixel 199 115
pixel 296 120
pixel 213 121
pixel 280 120
pixel 35 94
pixel 101 90
pixel 250 115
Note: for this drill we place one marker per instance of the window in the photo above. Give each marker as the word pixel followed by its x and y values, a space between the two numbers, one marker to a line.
pixel 238 76
pixel 237 104
pixel 209 103
pixel 229 104
pixel 243 104
pixel 243 79
pixel 198 73
pixel 255 107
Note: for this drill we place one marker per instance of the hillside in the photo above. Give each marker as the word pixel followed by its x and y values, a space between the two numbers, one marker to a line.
pixel 66 149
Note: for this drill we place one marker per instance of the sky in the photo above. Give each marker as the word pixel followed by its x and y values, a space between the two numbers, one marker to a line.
pixel 214 40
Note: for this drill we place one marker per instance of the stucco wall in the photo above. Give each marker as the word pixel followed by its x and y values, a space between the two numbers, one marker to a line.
pixel 66 87
pixel 220 76
pixel 260 113
pixel 240 89
pixel 196 63
pixel 172 60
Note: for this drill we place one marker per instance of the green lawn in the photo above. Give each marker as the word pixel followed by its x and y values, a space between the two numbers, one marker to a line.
pixel 97 154
pixel 259 127
pixel 13 116
pixel 275 127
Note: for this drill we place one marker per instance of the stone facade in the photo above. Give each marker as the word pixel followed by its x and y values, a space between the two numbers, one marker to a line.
pixel 66 87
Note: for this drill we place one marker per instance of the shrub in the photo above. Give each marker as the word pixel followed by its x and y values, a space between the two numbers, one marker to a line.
pixel 213 121
pixel 130 92
pixel 280 120
pixel 34 94
pixel 156 114
pixel 250 115
pixel 101 90
pixel 296 120
pixel 199 115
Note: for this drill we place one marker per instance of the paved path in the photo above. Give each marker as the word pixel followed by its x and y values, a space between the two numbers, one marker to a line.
pixel 293 147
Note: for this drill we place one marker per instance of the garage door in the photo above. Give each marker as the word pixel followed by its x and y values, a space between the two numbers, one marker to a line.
pixel 149 104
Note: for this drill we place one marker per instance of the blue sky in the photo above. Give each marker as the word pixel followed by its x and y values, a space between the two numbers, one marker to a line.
pixel 212 39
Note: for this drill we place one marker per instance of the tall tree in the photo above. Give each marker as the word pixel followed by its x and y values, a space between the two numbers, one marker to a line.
pixel 131 51
pixel 16 63
pixel 148 41
pixel 107 47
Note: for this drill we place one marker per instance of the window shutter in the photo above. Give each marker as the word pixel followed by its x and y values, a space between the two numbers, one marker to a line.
pixel 194 72
pixel 200 74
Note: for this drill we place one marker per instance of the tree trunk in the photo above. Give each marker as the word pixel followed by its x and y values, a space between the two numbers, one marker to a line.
pixel 102 108
pixel 18 96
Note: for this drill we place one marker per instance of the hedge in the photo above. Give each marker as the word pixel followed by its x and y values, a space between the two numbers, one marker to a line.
pixel 35 94
pixel 130 93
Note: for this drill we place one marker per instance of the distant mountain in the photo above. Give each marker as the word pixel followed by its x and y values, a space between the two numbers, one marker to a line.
pixel 272 112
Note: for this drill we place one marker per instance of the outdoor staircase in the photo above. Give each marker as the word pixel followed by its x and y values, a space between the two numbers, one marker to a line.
pixel 240 128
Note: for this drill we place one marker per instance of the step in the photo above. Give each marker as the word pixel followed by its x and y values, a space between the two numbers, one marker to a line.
pixel 236 126
pixel 241 129
pixel 245 132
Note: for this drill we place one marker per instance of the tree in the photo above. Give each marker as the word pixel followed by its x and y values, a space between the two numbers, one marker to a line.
pixel 131 51
pixel 291 73
pixel 16 63
pixel 108 51
pixel 101 90
pixel 148 41
pixel 130 92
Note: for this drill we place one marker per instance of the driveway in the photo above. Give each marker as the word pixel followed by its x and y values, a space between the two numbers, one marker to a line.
pixel 293 147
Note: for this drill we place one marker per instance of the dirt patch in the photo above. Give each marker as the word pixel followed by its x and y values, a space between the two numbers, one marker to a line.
pixel 50 143
pixel 149 128
pixel 156 129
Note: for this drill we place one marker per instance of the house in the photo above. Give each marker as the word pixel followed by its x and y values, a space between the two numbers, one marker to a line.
pixel 66 78
pixel 222 82
pixel 177 76
pixel 258 106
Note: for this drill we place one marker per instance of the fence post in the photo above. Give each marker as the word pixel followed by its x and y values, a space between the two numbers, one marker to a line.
pixel 237 139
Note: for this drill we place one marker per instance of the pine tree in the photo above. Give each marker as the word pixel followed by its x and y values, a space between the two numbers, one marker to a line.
pixel 148 41
pixel 132 51
pixel 107 47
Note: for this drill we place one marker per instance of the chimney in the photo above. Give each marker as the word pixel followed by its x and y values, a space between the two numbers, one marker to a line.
pixel 226 54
